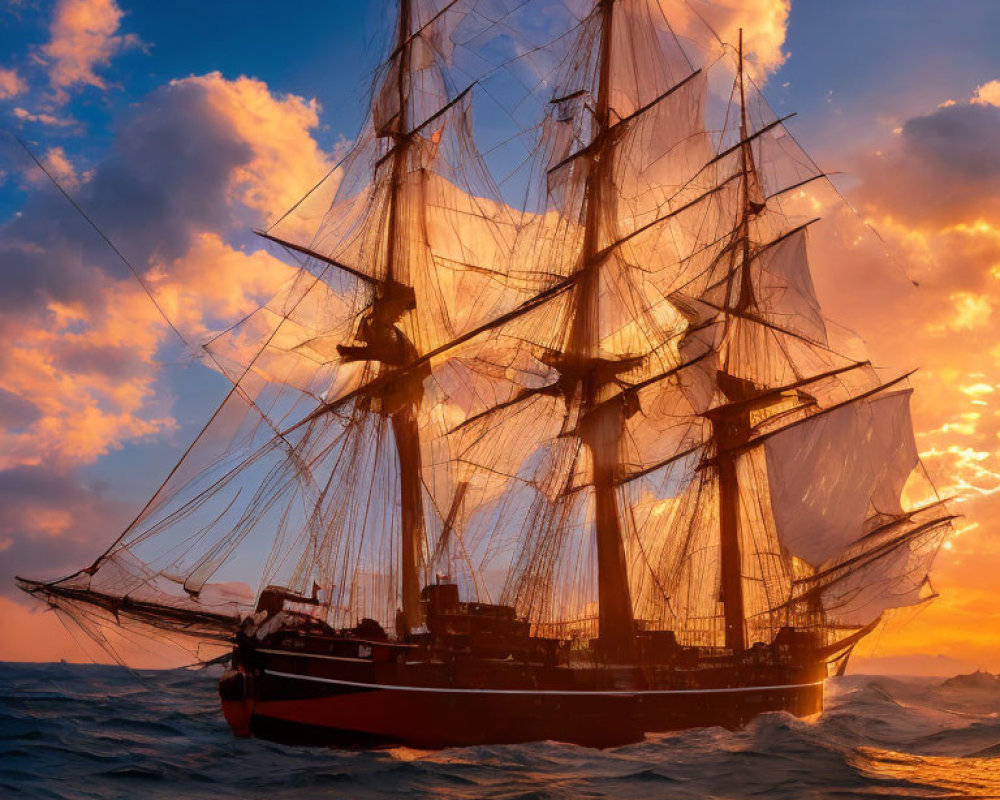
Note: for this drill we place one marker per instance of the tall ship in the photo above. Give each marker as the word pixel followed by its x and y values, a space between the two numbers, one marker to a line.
pixel 580 468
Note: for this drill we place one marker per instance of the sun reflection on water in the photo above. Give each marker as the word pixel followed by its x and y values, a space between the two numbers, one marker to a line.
pixel 945 776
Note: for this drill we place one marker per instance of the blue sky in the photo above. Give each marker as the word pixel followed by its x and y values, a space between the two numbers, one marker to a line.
pixel 857 67
pixel 853 66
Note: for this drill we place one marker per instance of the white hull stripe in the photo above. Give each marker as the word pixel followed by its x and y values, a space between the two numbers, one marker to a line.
pixel 313 655
pixel 608 693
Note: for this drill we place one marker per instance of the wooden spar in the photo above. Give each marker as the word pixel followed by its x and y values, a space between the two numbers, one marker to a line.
pixel 404 421
pixel 877 552
pixel 746 298
pixel 449 522
pixel 401 43
pixel 601 428
pixel 842 570
pixel 729 540
pixel 421 362
pixel 763 437
pixel 759 250
pixel 399 151
pixel 622 122
pixel 298 248
pixel 205 624
pixel 407 136
pixel 732 430
pixel 749 139
pixel 746 405
pixel 405 432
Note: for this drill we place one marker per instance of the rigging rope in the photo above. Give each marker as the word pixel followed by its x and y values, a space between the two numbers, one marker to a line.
pixel 104 236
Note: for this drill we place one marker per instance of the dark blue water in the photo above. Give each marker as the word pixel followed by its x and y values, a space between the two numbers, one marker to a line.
pixel 71 731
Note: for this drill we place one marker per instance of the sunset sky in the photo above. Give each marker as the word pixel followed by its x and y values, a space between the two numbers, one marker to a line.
pixel 181 126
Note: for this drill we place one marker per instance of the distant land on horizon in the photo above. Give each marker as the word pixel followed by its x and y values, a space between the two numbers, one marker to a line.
pixel 913 664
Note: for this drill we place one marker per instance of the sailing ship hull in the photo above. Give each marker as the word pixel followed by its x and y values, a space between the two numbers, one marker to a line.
pixel 301 698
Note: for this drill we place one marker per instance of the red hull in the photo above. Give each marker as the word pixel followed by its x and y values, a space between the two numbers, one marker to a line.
pixel 375 697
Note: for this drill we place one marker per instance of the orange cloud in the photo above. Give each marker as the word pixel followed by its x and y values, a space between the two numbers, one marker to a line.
pixel 933 192
pixel 87 364
pixel 11 84
pixel 58 165
pixel 286 161
pixel 764 24
pixel 83 37
pixel 43 117
pixel 87 379
pixel 987 94
pixel 80 375
pixel 213 281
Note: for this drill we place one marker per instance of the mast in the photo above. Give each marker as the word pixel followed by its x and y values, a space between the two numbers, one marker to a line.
pixel 398 395
pixel 200 524
pixel 749 170
pixel 400 136
pixel 601 423
pixel 731 422
pixel 404 422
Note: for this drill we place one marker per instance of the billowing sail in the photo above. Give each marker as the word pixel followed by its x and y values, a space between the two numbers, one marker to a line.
pixel 325 467
pixel 682 398
pixel 617 408
pixel 830 476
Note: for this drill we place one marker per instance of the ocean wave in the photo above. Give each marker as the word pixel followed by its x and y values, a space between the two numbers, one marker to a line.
pixel 70 732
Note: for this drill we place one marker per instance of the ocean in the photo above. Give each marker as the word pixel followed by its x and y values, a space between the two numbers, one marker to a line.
pixel 71 731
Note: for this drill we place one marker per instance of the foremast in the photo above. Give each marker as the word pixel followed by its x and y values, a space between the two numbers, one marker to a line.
pixel 390 338
pixel 404 419
pixel 387 345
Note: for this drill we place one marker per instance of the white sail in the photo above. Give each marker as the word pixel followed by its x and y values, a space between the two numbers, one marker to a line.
pixel 616 408
pixel 829 475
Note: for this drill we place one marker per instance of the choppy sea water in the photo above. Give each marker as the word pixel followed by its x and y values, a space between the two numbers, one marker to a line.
pixel 69 731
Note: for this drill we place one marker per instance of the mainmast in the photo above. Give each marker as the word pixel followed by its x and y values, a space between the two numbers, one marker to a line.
pixel 750 184
pixel 601 423
pixel 731 422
